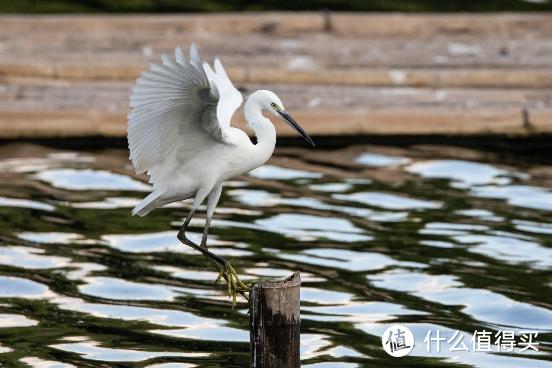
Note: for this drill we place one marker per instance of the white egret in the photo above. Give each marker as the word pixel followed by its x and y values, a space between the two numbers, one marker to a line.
pixel 179 133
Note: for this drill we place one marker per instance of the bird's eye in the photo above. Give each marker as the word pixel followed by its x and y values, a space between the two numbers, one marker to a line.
pixel 274 106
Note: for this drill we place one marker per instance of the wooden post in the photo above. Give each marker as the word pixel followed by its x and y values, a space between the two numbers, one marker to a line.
pixel 275 323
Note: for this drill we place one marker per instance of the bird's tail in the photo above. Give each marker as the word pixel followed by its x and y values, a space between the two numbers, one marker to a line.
pixel 147 205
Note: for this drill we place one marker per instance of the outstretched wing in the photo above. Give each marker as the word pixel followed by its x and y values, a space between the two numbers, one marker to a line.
pixel 178 108
pixel 230 97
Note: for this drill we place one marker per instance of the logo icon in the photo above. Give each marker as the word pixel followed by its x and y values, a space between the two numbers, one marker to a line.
pixel 397 341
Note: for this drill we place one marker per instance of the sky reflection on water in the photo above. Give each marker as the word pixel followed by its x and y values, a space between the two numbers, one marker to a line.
pixel 447 244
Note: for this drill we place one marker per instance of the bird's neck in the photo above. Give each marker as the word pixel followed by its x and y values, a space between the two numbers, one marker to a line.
pixel 263 128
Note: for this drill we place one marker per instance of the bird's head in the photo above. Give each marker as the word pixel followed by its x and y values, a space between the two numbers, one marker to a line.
pixel 270 102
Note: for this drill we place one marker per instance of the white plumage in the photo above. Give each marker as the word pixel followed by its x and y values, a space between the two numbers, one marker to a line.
pixel 179 132
pixel 179 127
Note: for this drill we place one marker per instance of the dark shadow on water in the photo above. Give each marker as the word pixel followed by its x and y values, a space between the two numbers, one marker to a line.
pixel 428 236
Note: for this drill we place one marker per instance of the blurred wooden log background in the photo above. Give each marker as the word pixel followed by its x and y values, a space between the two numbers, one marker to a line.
pixel 338 73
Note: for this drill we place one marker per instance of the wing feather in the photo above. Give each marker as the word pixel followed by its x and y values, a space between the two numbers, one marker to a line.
pixel 195 59
pixel 178 108
pixel 230 97
pixel 179 56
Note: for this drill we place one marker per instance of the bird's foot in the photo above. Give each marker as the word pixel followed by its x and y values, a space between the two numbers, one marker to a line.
pixel 234 284
pixel 226 271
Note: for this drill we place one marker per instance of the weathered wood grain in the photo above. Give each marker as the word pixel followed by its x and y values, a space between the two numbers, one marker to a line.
pixel 275 323
pixel 371 74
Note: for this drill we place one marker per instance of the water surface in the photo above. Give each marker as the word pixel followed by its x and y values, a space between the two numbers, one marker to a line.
pixel 429 237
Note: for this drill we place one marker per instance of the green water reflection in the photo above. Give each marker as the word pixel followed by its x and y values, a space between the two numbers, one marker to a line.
pixel 449 241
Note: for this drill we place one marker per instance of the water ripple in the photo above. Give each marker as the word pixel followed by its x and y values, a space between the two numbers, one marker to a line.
pixel 93 350
pixel 88 179
pixel 448 244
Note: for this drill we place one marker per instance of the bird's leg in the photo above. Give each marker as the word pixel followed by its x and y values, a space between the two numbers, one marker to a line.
pixel 226 271
pixel 182 232
pixel 212 200
pixel 213 258
pixel 205 233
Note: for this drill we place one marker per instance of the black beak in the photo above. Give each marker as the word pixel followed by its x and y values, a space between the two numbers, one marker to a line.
pixel 296 126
